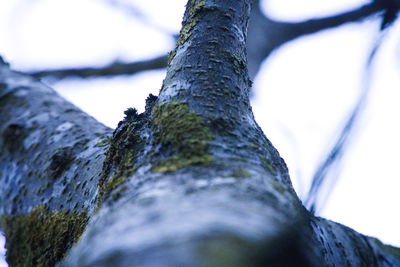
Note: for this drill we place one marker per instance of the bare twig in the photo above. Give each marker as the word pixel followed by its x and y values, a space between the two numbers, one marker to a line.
pixel 116 68
pixel 266 34
pixel 336 153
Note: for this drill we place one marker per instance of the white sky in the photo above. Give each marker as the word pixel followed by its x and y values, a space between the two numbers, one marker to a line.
pixel 303 92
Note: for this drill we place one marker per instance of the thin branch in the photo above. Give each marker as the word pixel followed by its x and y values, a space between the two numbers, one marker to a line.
pixel 116 68
pixel 132 10
pixel 336 153
pixel 275 34
pixel 265 34
pixel 315 25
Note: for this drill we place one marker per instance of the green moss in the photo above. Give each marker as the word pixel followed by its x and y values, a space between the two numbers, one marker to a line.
pixel 239 59
pixel 103 142
pixel 268 166
pixel 115 196
pixel 186 31
pixel 126 170
pixel 191 19
pixel 182 134
pixel 41 238
pixel 171 55
pixel 239 172
pixel 122 155
pixel 100 135
pixel 177 162
pixel 277 187
pixel 113 183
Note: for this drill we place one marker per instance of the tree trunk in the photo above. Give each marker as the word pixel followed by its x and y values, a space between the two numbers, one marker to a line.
pixel 192 181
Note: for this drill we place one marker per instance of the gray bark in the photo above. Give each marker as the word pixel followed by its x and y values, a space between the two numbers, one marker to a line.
pixel 192 181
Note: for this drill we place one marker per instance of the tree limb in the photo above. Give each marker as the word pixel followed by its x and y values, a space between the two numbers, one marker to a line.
pixel 192 181
pixel 314 25
pixel 266 34
pixel 50 161
pixel 116 68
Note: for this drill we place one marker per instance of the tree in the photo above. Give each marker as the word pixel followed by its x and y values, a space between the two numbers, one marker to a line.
pixel 191 181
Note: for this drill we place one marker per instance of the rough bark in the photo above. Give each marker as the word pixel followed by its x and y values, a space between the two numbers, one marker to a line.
pixel 50 163
pixel 192 181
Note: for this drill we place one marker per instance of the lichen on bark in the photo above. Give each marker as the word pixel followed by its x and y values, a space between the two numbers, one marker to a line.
pixel 191 19
pixel 126 151
pixel 122 154
pixel 40 238
pixel 182 135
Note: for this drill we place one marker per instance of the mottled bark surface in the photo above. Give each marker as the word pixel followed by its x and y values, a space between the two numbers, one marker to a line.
pixel 192 181
pixel 50 163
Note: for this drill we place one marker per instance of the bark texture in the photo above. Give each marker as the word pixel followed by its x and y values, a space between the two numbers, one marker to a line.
pixel 192 181
pixel 50 163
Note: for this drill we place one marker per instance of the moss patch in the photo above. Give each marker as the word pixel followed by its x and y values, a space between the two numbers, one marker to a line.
pixel 115 196
pixel 41 238
pixel 113 183
pixel 125 169
pixel 239 172
pixel 125 147
pixel 103 142
pixel 177 162
pixel 191 19
pixel 268 166
pixel 277 187
pixel 182 134
pixel 171 56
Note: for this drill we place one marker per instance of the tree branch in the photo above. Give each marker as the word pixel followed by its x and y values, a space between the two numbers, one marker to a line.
pixel 116 68
pixel 191 181
pixel 50 162
pixel 45 140
pixel 266 34
pixel 318 24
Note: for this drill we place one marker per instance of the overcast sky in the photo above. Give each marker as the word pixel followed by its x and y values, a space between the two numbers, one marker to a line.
pixel 302 95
